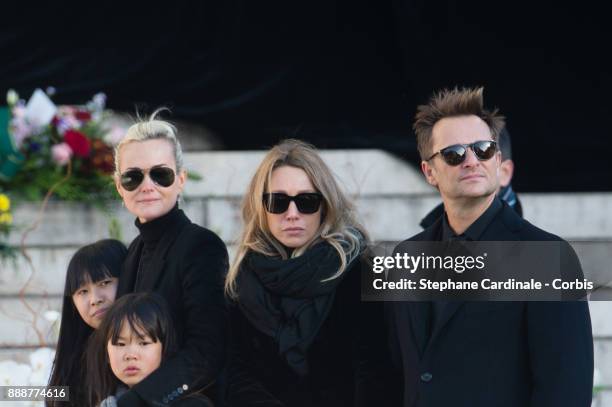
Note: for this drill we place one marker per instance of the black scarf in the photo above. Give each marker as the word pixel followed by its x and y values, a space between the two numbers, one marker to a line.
pixel 285 299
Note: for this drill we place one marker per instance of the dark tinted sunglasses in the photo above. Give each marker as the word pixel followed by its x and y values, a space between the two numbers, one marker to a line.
pixel 455 154
pixel 162 176
pixel 307 203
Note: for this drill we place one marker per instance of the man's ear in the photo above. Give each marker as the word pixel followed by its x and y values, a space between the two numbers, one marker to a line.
pixel 429 173
pixel 506 171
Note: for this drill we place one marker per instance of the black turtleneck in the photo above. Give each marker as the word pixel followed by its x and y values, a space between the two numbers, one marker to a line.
pixel 151 233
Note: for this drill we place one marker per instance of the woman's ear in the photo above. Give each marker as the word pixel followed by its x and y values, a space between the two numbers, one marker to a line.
pixel 117 181
pixel 181 178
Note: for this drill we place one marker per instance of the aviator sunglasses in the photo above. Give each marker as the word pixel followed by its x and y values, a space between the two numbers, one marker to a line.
pixel 162 176
pixel 455 154
pixel 306 203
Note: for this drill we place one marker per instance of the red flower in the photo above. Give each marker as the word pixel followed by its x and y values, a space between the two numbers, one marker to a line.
pixel 82 115
pixel 77 141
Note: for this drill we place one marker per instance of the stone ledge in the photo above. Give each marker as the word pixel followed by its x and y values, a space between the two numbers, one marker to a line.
pixel 359 172
pixel 576 217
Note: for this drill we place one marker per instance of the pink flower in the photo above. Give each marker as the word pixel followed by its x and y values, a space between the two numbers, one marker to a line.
pixel 61 153
pixel 21 130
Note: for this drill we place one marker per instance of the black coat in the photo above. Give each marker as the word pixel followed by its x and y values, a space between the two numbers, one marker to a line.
pixel 187 269
pixel 348 359
pixel 502 354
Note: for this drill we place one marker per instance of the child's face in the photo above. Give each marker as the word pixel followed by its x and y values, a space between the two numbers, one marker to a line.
pixel 92 300
pixel 133 358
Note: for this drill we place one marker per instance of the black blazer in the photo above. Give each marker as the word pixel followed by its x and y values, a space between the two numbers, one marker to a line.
pixel 502 354
pixel 188 269
pixel 348 359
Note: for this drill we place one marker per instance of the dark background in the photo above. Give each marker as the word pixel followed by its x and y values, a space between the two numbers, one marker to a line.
pixel 340 74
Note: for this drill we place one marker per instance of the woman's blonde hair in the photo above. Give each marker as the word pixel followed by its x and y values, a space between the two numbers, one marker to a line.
pixel 339 226
pixel 151 129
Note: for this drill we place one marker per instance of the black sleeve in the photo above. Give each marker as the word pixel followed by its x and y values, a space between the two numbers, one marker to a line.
pixel 196 366
pixel 376 381
pixel 243 388
pixel 560 353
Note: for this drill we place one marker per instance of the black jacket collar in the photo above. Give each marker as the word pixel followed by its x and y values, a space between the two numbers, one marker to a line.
pixel 172 228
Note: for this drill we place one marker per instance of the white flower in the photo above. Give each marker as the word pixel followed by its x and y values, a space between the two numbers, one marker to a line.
pixel 99 101
pixel 114 136
pixel 11 97
pixel 14 374
pixel 41 362
pixel 40 109
pixel 41 358
pixel 51 315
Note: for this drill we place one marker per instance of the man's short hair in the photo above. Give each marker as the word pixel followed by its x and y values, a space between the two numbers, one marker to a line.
pixel 452 103
pixel 504 144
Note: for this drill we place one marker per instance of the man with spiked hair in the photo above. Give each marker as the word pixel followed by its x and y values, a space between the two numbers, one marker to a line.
pixel 478 353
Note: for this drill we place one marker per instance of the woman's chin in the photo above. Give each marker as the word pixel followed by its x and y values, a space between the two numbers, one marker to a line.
pixel 151 213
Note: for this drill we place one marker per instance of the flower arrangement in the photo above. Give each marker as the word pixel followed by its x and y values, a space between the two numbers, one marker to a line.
pixel 65 150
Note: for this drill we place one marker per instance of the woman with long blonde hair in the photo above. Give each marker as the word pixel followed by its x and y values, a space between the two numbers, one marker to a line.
pixel 300 335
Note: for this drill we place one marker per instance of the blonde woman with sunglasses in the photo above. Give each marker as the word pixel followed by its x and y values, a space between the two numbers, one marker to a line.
pixel 177 259
pixel 300 335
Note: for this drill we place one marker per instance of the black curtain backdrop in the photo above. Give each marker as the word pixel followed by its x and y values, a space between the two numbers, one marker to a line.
pixel 340 74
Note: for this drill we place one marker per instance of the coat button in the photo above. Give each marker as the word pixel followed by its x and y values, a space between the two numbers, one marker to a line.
pixel 165 400
pixel 426 377
pixel 185 387
pixel 175 393
pixel 180 390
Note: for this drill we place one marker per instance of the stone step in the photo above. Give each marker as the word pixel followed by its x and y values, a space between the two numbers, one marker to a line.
pixel 387 218
pixel 23 321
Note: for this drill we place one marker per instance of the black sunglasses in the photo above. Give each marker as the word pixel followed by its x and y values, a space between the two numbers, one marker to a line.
pixel 162 176
pixel 455 154
pixel 307 202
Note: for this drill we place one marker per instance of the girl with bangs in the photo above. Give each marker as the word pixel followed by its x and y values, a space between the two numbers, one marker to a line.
pixel 89 291
pixel 300 335
pixel 131 343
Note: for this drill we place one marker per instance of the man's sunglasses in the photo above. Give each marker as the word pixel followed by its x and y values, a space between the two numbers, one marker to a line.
pixel 307 203
pixel 455 154
pixel 162 176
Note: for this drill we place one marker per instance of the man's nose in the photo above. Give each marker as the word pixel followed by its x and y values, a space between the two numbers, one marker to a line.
pixel 470 159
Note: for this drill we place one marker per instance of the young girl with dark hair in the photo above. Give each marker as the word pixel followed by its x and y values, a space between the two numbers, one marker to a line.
pixel 135 337
pixel 91 284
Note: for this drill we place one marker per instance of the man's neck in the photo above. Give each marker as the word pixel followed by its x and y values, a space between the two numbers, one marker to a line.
pixel 461 213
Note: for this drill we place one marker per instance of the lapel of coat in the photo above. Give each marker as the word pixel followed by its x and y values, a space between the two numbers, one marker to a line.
pixel 504 227
pixel 420 311
pixel 129 270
